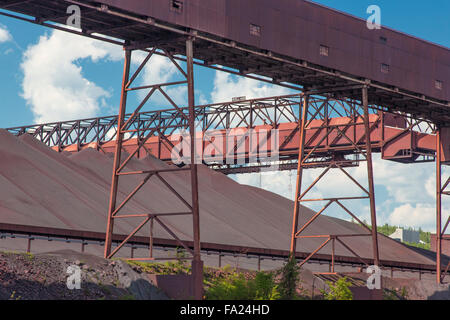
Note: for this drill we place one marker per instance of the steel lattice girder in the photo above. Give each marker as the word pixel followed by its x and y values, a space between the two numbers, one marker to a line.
pixel 398 137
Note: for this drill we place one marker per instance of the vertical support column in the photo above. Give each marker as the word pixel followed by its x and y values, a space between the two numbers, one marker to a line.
pixel 197 263
pixel 373 215
pixel 438 206
pixel 117 154
pixel 151 238
pixel 332 253
pixel 301 153
pixel 29 244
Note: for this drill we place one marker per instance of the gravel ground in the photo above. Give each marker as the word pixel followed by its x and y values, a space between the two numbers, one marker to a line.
pixel 45 277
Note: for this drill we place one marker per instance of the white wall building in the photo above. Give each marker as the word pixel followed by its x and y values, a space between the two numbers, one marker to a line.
pixel 406 236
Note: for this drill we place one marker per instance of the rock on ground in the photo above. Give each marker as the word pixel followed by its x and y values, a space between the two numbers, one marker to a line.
pixel 45 277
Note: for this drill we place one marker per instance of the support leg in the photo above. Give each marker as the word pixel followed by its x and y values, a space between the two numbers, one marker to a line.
pixel 373 216
pixel 117 154
pixel 197 263
pixel 29 245
pixel 301 152
pixel 438 206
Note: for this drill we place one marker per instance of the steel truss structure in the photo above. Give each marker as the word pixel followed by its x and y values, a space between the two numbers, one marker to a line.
pixel 75 135
pixel 137 32
pixel 334 134
pixel 119 166
pixel 318 135
pixel 335 129
pixel 441 190
pixel 394 135
pixel 313 115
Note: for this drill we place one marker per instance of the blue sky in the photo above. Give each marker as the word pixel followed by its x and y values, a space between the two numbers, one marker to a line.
pixel 92 74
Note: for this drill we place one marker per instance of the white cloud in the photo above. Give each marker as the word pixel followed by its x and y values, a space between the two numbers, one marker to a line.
pixel 419 215
pixel 160 70
pixel 54 85
pixel 5 36
pixel 408 198
pixel 56 89
pixel 226 87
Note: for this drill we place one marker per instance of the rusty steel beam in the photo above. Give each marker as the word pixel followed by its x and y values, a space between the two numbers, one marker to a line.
pixel 442 158
pixel 117 157
pixel 301 153
pixel 442 183
pixel 332 239
pixel 419 98
pixel 373 216
pixel 438 206
pixel 197 263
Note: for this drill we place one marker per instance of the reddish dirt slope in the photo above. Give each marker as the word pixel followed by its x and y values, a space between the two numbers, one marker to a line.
pixel 41 187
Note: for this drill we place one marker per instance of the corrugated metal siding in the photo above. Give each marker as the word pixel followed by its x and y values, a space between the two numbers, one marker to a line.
pixel 298 28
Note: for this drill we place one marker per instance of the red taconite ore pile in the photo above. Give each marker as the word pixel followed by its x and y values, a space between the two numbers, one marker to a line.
pixel 41 187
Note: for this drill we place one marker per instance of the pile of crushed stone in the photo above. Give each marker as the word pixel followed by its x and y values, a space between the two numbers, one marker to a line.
pixel 45 277
pixel 40 187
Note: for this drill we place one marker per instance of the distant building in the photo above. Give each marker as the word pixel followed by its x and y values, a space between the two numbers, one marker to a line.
pixel 403 235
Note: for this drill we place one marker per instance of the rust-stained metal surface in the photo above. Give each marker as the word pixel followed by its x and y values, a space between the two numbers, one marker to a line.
pixel 280 40
pixel 298 28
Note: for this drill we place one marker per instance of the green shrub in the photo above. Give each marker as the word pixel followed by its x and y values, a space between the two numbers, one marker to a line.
pixel 289 279
pixel 180 266
pixel 237 287
pixel 339 290
pixel 404 293
pixel 265 286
